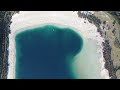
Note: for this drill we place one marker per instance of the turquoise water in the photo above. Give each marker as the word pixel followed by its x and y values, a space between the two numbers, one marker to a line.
pixel 46 52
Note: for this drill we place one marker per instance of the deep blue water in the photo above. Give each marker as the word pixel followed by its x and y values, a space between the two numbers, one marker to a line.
pixel 46 52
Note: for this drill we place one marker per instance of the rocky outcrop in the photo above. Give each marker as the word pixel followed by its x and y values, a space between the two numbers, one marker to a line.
pixel 5 21
pixel 109 62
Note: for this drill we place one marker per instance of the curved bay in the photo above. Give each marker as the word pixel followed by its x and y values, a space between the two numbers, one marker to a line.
pixel 45 52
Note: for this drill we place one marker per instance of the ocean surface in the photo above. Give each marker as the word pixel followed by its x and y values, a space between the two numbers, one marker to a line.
pixel 47 52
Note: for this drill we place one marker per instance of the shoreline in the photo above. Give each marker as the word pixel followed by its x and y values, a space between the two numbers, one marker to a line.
pixel 106 45
pixel 5 21
pixel 69 19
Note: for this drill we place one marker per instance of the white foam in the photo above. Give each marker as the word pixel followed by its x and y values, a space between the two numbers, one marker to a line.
pixel 27 19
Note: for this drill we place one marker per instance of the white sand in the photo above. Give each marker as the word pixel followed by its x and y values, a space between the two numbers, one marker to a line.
pixel 27 19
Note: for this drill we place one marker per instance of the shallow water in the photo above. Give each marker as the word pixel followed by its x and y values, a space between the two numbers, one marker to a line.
pixel 46 52
pixel 86 64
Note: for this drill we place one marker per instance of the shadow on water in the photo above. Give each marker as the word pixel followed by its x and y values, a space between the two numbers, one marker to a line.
pixel 42 52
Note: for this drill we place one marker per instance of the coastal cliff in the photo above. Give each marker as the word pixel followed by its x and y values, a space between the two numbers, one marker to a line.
pixel 5 21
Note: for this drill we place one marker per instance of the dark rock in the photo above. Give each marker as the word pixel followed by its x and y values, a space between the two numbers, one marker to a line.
pixel 104 22
pixel 113 31
pixel 114 22
pixel 109 62
pixel 5 21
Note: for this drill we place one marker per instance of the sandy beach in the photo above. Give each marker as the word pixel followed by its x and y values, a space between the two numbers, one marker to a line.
pixel 28 19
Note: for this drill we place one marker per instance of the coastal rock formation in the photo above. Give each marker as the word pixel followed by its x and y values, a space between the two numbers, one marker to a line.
pixel 109 62
pixel 5 21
